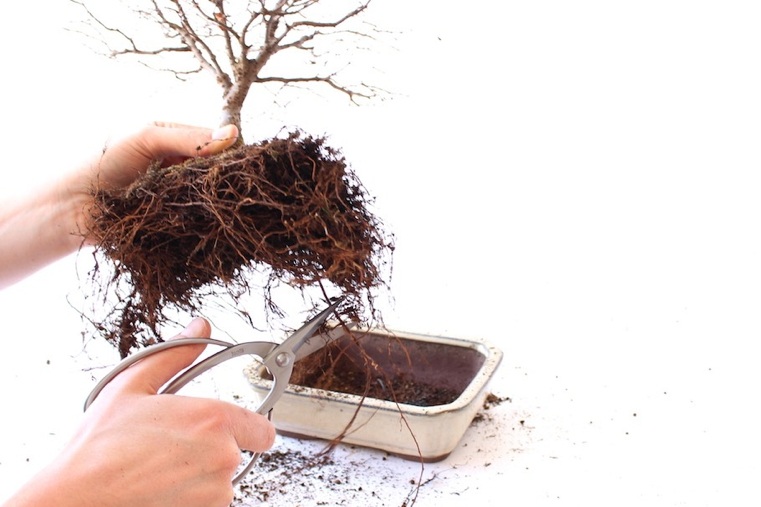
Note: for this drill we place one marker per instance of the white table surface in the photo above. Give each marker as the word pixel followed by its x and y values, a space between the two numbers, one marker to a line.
pixel 637 413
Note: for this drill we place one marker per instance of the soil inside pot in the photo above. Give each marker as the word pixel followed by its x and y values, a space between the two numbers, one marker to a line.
pixel 401 370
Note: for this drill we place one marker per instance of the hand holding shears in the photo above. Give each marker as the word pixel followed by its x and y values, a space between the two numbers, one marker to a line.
pixel 278 359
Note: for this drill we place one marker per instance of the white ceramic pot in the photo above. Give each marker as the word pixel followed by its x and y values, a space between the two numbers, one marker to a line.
pixel 417 431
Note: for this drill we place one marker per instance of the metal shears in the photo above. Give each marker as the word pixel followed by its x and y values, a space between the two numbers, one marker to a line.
pixel 277 358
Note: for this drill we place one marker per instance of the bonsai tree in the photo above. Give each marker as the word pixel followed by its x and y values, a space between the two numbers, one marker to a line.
pixel 290 208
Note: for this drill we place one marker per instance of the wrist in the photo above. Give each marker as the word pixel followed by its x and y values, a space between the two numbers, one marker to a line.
pixel 41 228
pixel 57 486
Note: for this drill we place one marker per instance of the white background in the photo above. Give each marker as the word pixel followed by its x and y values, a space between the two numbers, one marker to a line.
pixel 573 181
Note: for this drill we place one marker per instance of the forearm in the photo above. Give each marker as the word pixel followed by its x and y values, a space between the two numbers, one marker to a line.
pixel 50 224
pixel 39 229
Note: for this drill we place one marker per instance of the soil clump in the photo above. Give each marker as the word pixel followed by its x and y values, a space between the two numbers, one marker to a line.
pixel 289 208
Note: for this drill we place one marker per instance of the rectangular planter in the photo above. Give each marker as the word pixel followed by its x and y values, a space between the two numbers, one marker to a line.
pixel 459 366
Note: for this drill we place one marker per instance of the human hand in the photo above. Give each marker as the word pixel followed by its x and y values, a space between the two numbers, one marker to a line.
pixel 127 158
pixel 122 161
pixel 138 448
pixel 52 221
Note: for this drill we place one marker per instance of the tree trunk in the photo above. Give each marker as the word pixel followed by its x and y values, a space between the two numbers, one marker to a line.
pixel 234 98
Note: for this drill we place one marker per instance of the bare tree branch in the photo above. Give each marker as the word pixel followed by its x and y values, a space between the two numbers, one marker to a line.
pixel 329 80
pixel 235 42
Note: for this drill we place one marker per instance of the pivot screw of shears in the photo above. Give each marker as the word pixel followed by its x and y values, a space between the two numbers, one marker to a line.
pixel 282 359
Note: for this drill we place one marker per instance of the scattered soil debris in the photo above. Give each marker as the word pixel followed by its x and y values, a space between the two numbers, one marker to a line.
pixel 491 401
pixel 309 476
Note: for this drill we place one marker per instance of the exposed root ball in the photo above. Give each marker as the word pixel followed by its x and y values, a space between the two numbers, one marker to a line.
pixel 288 207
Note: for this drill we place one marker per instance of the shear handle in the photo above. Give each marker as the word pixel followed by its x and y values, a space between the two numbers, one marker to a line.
pixel 261 349
pixel 278 359
pixel 153 349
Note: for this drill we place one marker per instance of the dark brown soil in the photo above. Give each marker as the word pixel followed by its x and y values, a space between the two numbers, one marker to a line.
pixel 388 367
pixel 290 209
pixel 399 388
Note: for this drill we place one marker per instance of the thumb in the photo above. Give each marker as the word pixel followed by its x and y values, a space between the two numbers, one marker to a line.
pixel 152 372
pixel 176 141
